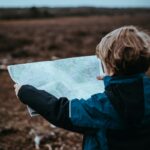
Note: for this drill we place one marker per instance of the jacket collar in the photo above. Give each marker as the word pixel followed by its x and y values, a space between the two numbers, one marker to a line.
pixel 121 79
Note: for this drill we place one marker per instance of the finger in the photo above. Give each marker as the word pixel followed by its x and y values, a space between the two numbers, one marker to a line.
pixel 15 85
pixel 100 77
pixel 15 91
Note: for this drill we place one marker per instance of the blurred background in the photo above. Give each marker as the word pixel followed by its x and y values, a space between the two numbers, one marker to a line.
pixel 33 30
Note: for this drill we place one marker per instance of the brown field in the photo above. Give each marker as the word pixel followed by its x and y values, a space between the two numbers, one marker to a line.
pixel 35 40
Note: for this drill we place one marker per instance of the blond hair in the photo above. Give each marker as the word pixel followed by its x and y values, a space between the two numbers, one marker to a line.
pixel 125 50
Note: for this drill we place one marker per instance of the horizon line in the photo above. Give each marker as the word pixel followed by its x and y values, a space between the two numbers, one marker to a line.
pixel 84 6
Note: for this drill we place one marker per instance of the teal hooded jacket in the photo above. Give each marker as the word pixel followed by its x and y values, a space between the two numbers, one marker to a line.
pixel 123 106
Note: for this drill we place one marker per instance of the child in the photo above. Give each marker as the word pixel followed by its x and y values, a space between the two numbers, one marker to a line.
pixel 116 118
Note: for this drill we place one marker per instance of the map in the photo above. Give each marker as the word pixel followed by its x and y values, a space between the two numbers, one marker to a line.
pixel 71 77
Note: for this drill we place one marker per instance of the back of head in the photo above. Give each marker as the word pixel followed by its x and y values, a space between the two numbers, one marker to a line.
pixel 125 51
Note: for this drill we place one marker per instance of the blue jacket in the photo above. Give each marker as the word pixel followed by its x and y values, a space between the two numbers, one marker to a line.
pixel 124 104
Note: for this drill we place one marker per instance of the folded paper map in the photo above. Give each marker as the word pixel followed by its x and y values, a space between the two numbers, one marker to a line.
pixel 71 77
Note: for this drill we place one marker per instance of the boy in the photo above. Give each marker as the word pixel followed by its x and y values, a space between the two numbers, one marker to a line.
pixel 113 119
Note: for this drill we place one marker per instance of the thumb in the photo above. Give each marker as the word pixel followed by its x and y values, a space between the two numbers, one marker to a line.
pixel 15 85
pixel 100 77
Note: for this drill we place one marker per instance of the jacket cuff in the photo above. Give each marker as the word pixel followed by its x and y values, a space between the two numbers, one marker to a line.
pixel 22 93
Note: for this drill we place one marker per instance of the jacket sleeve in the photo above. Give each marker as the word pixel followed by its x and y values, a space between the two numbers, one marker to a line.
pixel 95 112
pixel 54 110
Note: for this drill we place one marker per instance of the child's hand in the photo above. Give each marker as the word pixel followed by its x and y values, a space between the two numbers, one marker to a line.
pixel 100 77
pixel 17 88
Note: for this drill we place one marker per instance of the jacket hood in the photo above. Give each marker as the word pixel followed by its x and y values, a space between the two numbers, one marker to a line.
pixel 126 94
